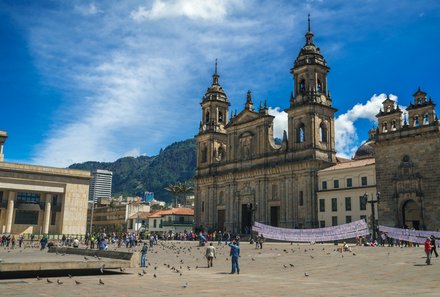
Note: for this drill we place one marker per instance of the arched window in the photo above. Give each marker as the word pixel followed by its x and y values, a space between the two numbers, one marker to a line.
pixel 274 191
pixel 301 134
pixel 416 121
pixel 393 125
pixel 302 86
pixel 385 127
pixel 207 117
pixel 220 197
pixel 221 153
pixel 426 119
pixel 220 117
pixel 319 87
pixel 322 133
pixel 204 155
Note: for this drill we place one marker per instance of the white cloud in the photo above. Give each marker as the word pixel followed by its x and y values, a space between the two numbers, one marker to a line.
pixel 192 9
pixel 347 140
pixel 90 9
pixel 280 121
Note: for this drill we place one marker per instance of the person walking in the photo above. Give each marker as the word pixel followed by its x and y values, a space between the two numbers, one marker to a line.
pixel 433 246
pixel 144 255
pixel 235 254
pixel 428 249
pixel 210 254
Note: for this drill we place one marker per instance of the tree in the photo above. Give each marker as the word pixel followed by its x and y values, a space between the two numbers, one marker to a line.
pixel 180 190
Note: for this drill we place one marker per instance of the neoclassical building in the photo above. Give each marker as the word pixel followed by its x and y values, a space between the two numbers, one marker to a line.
pixel 408 164
pixel 242 175
pixel 41 200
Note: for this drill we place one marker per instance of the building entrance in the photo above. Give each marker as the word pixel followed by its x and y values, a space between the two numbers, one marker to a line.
pixel 411 214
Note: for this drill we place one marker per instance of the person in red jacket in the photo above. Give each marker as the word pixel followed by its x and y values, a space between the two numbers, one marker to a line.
pixel 428 248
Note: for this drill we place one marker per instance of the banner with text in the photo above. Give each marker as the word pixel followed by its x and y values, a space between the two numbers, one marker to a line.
pixel 350 230
pixel 418 236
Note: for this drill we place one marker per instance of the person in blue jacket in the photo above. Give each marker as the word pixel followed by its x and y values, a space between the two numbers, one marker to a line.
pixel 235 254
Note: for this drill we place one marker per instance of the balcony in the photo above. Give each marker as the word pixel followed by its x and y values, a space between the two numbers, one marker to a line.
pixel 177 223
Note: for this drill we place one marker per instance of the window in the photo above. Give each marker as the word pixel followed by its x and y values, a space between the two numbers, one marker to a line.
pixel 28 197
pixel 301 198
pixel 347 219
pixel 393 125
pixel 203 206
pixel 154 223
pixel 1 197
pixel 336 184
pixel 301 134
pixel 363 202
pixel 302 86
pixel 53 218
pixel 385 127
pixel 364 217
pixel 204 155
pixel 322 133
pixel 334 204
pixel 321 205
pixel 321 224
pixel 349 183
pixel 334 221
pixel 181 220
pixel 364 181
pixel 416 121
pixel 207 118
pixel 319 87
pixel 324 185
pixel 426 119
pixel 347 203
pixel 25 217
pixel 220 117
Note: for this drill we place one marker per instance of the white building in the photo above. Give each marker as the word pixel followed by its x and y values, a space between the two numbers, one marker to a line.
pixel 100 185
pixel 346 188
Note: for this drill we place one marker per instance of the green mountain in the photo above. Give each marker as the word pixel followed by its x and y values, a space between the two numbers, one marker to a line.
pixel 134 176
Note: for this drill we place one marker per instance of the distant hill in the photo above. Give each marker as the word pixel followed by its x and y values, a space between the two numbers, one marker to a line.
pixel 133 176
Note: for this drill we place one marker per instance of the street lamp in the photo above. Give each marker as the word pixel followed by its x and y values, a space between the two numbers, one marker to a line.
pixel 373 211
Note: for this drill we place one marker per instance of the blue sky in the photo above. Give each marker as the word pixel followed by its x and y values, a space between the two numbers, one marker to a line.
pixel 98 80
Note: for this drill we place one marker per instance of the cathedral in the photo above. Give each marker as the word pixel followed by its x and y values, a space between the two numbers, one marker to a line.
pixel 243 176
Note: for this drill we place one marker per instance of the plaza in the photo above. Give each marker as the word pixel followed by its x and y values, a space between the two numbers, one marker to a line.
pixel 279 269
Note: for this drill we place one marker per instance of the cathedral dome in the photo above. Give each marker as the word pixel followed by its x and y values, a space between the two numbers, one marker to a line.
pixel 366 150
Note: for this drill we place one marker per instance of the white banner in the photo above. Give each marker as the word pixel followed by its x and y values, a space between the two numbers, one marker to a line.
pixel 418 236
pixel 350 230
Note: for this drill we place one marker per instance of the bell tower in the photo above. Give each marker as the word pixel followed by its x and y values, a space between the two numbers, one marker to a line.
pixel 311 115
pixel 211 140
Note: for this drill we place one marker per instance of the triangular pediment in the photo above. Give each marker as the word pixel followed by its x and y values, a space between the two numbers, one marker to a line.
pixel 243 117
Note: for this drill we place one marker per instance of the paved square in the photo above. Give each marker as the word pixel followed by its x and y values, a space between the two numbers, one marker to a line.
pixel 279 269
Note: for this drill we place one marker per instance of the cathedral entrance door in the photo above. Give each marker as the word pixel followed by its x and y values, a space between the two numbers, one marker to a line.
pixel 246 217
pixel 411 214
pixel 221 219
pixel 274 215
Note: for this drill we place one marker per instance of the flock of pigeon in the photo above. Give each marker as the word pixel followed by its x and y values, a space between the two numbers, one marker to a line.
pixel 179 257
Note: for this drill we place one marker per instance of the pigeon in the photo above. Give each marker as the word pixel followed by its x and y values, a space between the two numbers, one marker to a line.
pixel 291 265
pixel 85 258
pixel 77 282
pixel 121 269
pixel 38 278
pixel 253 259
pixel 155 275
pixel 306 274
pixel 284 266
pixel 49 281
pixel 69 275
pixel 101 282
pixel 59 282
pixel 140 274
pixel 143 271
pixel 185 285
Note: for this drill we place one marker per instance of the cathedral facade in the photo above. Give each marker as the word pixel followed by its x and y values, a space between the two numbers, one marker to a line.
pixel 243 176
pixel 408 164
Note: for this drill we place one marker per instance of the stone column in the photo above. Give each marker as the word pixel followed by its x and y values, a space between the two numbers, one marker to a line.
pixel 47 210
pixel 10 212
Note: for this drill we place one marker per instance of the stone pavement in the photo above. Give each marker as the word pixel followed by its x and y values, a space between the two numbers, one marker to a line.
pixel 279 269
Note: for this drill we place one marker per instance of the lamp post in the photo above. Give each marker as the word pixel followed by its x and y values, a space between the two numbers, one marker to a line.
pixel 373 211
